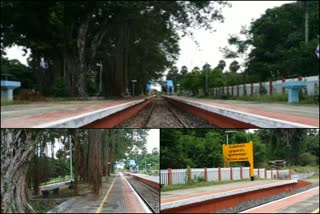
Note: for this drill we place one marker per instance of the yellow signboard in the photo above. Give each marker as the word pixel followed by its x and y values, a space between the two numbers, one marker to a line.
pixel 239 152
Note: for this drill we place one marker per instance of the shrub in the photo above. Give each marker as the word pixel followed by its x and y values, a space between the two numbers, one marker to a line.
pixel 262 90
pixel 307 158
pixel 59 89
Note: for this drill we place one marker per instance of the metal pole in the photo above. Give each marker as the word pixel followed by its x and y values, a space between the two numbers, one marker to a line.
pixel 227 144
pixel 306 21
pixel 70 147
pixel 206 92
pixel 100 86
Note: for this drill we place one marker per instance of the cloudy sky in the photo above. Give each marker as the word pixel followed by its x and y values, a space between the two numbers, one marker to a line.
pixel 153 139
pixel 240 13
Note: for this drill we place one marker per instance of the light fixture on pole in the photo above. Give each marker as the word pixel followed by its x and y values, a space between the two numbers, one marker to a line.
pixel 100 82
pixel 178 86
pixel 133 81
pixel 229 131
pixel 70 147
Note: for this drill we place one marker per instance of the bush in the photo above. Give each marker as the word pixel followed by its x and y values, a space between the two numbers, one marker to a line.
pixel 29 95
pixel 59 89
pixel 262 90
pixel 307 158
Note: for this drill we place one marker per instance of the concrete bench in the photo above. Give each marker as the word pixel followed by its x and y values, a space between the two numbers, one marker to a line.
pixel 293 90
pixel 46 192
pixel 7 88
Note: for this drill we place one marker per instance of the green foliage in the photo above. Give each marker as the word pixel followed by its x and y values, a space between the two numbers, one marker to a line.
pixel 199 148
pixel 71 37
pixel 15 71
pixel 278 47
pixel 59 89
pixel 262 90
pixel 307 158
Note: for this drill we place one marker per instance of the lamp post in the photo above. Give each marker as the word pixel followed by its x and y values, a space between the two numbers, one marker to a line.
pixel 133 81
pixel 100 82
pixel 229 131
pixel 70 147
pixel 178 86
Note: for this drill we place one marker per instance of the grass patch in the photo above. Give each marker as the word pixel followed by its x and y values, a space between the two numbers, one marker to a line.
pixel 40 207
pixel 14 102
pixel 200 184
pixel 303 169
pixel 267 99
pixel 274 98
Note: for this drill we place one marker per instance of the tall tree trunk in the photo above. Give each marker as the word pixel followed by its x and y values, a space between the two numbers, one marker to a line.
pixel 17 147
pixel 95 168
pixel 76 158
pixel 35 171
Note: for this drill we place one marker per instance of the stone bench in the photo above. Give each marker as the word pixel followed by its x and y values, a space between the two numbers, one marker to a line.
pixel 293 90
pixel 46 192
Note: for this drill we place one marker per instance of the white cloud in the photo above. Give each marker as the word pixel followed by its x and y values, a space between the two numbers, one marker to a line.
pixel 153 139
pixel 241 13
pixel 16 52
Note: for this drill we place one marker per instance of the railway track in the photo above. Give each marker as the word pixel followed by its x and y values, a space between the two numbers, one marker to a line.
pixel 149 195
pixel 162 114
pixel 164 108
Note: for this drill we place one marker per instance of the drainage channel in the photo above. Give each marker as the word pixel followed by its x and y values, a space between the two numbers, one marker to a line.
pixel 159 113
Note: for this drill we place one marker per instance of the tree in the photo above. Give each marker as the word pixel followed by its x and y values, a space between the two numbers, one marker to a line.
pixel 234 66
pixel 221 65
pixel 17 146
pixel 67 39
pixel 274 46
pixel 184 70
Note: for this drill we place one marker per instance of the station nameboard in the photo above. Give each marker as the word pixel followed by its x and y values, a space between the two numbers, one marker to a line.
pixel 239 152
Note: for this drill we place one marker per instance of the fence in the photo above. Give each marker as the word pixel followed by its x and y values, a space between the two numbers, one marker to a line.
pixel 270 88
pixel 179 176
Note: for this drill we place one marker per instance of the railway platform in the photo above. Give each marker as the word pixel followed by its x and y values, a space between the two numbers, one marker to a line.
pixel 303 202
pixel 218 197
pixel 245 114
pixel 67 114
pixel 152 181
pixel 116 196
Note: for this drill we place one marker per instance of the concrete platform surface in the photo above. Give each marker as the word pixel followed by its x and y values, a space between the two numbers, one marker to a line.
pixel 177 198
pixel 264 115
pixel 120 199
pixel 303 202
pixel 64 114
pixel 154 179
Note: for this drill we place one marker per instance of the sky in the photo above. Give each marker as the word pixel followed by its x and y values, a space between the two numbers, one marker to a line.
pixel 240 13
pixel 153 140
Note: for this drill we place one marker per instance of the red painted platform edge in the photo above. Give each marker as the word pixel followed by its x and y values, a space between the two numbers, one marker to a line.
pixel 118 117
pixel 214 119
pixel 215 205
pixel 146 181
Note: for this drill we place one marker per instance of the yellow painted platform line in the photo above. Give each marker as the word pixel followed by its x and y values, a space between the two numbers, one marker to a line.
pixel 105 197
pixel 316 211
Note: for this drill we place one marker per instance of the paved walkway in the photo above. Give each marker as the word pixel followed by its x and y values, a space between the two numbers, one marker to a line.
pixel 304 202
pixel 116 197
pixel 306 114
pixel 147 177
pixel 176 195
pixel 41 113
